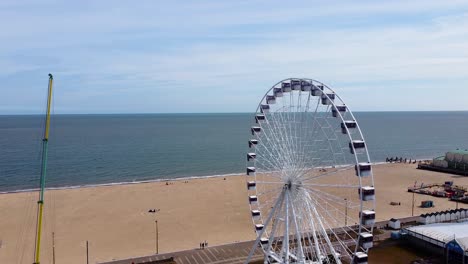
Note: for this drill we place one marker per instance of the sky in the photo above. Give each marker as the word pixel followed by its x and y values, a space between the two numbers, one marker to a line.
pixel 222 56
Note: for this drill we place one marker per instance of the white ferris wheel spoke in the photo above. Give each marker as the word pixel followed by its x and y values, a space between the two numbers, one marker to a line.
pixel 329 173
pixel 331 185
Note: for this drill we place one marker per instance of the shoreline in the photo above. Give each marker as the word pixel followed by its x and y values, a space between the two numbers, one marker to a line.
pixel 93 185
pixel 123 183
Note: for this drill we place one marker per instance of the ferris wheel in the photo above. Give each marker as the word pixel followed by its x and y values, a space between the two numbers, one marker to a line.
pixel 309 177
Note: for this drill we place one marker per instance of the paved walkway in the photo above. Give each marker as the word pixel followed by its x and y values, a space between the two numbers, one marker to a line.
pixel 229 254
pixel 226 254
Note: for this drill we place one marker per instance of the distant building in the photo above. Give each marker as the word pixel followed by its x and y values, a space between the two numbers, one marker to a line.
pixel 453 162
pixel 457 160
pixel 449 239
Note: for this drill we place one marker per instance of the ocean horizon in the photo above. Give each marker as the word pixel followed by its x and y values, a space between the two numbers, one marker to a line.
pixel 96 149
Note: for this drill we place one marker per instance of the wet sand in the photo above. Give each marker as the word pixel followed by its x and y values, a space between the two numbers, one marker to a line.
pixel 116 222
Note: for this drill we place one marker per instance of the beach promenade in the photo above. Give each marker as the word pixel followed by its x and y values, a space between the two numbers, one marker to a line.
pixel 235 253
pixel 225 254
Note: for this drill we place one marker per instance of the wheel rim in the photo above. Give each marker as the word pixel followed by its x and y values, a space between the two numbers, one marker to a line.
pixel 304 158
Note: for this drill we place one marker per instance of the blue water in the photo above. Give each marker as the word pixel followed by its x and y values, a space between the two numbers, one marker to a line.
pixel 97 149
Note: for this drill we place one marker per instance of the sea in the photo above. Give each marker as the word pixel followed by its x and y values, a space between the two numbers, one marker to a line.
pixel 125 148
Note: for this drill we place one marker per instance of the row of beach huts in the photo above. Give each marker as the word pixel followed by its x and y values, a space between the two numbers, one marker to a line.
pixel 444 216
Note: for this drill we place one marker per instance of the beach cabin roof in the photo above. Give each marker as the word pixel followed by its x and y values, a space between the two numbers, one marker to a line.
pixel 444 232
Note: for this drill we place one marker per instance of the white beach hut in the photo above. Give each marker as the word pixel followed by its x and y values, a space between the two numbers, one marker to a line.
pixel 423 219
pixel 453 215
pixel 463 214
pixel 432 219
pixel 442 217
pixel 459 214
pixel 394 223
pixel 447 216
pixel 437 218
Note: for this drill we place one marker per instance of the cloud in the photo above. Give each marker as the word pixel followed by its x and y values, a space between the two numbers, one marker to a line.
pixel 213 56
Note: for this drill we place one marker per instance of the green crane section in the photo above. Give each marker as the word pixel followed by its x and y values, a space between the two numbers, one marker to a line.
pixel 40 202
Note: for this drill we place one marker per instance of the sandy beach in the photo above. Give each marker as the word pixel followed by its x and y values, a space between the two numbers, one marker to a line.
pixel 116 222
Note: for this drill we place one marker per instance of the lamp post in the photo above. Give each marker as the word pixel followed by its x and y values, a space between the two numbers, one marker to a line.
pixel 346 212
pixel 53 248
pixel 157 238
